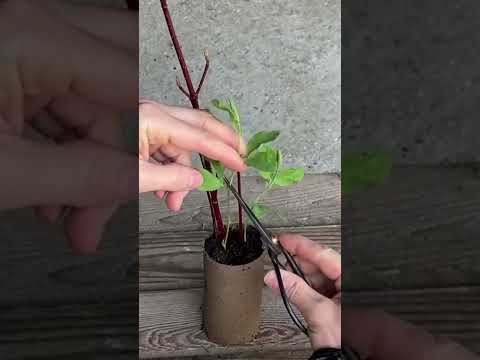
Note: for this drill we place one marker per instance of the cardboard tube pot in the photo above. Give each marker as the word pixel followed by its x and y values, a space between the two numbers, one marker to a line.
pixel 233 296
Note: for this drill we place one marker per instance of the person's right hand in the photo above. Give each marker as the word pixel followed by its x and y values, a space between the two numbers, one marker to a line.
pixel 167 137
pixel 373 334
pixel 319 305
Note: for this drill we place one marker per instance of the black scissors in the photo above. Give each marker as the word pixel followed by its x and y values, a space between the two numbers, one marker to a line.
pixel 275 249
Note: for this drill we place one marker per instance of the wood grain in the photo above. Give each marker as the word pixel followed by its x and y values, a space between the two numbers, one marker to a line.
pixel 170 321
pixel 170 325
pixel 175 260
pixel 88 330
pixel 37 266
pixel 282 355
pixel 420 229
pixel 415 198
pixel 315 201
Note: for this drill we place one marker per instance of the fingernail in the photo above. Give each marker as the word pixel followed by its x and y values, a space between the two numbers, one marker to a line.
pixel 196 180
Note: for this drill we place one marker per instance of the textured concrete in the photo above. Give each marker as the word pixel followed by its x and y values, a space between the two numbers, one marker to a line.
pixel 280 61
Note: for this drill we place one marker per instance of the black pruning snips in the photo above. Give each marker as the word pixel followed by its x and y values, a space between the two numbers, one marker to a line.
pixel 275 249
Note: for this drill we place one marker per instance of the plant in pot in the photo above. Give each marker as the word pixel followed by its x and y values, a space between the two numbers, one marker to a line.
pixel 233 254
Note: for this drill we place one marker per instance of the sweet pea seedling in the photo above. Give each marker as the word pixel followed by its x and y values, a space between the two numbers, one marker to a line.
pixel 261 156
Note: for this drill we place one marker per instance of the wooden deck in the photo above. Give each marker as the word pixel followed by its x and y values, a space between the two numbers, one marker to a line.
pixel 171 274
pixel 79 293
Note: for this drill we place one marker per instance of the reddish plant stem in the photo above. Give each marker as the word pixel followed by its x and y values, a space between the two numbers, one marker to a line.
pixel 240 210
pixel 205 71
pixel 218 226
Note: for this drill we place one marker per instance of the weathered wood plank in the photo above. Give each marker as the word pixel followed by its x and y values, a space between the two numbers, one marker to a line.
pixel 38 267
pixel 413 199
pixel 175 260
pixel 315 201
pixel 170 321
pixel 282 355
pixel 420 229
pixel 170 325
pixel 70 331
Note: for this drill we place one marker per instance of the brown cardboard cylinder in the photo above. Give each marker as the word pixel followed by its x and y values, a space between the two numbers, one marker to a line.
pixel 233 297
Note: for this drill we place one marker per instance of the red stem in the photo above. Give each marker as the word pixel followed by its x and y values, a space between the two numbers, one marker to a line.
pixel 218 226
pixel 240 210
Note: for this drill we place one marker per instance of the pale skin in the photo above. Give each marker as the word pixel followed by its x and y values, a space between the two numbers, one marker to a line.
pixel 373 334
pixel 47 96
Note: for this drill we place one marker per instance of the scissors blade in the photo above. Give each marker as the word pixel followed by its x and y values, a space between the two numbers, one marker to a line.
pixel 264 234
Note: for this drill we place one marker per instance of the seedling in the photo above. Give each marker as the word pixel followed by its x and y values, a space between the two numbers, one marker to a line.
pixel 261 156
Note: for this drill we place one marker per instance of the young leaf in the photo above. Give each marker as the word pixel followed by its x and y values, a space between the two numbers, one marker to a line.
pixel 259 210
pixel 361 170
pixel 289 176
pixel 260 138
pixel 265 158
pixel 217 169
pixel 230 107
pixel 210 181
pixel 271 176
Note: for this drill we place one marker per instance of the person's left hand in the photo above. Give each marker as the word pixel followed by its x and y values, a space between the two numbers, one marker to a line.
pixel 167 137
pixel 67 71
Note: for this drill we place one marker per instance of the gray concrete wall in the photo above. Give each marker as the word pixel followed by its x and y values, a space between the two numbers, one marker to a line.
pixel 279 60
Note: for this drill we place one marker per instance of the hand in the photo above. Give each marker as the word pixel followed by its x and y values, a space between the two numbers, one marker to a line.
pixel 320 305
pixel 168 135
pixel 372 333
pixel 67 69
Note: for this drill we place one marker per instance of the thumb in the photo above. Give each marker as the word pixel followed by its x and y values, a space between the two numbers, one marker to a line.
pixel 321 314
pixel 171 177
pixel 79 174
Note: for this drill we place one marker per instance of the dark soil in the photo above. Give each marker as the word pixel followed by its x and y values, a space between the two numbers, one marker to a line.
pixel 238 251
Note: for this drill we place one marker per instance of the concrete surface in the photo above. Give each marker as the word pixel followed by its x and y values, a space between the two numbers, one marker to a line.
pixel 279 60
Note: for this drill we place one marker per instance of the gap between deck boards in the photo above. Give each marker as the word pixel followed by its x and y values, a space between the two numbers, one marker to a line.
pixel 171 321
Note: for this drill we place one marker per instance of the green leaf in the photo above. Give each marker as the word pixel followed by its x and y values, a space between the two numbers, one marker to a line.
pixel 217 169
pixel 260 138
pixel 259 210
pixel 230 107
pixel 270 176
pixel 289 176
pixel 210 181
pixel 265 158
pixel 362 170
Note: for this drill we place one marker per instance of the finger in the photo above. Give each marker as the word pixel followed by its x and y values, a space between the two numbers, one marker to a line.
pixel 171 177
pixel 160 194
pixel 158 128
pixel 321 314
pixel 95 121
pixel 327 260
pixel 76 174
pixel 118 26
pixel 318 281
pixel 49 213
pixel 174 200
pixel 112 81
pixel 46 125
pixel 84 228
pixel 206 121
